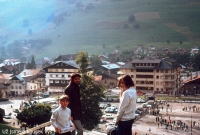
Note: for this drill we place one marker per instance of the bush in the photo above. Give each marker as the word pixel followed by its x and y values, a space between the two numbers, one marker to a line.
pixel 131 18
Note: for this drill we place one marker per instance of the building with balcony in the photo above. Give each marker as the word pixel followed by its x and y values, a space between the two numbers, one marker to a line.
pixel 154 76
pixel 58 75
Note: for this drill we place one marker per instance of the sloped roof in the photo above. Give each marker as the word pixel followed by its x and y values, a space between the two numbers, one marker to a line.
pixel 72 63
pixel 19 78
pixel 111 66
pixel 163 64
pixel 9 67
pixel 5 76
pixel 29 72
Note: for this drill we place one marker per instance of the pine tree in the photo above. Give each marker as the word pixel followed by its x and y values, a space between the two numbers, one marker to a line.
pixel 33 65
pixel 91 94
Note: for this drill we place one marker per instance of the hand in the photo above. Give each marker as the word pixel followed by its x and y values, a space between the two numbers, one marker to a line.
pixel 116 123
pixel 71 118
pixel 58 130
pixel 73 128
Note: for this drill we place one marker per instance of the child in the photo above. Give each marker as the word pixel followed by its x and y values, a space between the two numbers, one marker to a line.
pixel 60 118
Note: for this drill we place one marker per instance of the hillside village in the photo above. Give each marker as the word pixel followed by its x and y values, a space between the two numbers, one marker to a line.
pixel 151 75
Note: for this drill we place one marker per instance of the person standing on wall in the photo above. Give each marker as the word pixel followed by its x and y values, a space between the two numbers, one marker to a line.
pixel 73 91
pixel 127 106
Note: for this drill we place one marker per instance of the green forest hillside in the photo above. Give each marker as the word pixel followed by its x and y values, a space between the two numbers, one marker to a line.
pixel 101 26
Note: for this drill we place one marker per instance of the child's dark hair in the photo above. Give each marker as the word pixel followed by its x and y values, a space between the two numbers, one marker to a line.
pixel 64 98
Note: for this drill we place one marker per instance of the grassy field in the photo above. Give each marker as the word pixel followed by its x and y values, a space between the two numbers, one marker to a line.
pixel 159 20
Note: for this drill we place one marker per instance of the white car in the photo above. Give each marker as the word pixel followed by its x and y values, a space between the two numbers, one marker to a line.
pixel 108 116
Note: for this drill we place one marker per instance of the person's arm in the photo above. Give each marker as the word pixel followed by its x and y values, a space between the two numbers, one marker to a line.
pixel 53 121
pixel 124 103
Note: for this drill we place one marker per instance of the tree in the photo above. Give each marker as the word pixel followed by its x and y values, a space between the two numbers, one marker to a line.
pixel 91 94
pixel 35 114
pixel 131 18
pixel 196 63
pixel 33 63
pixel 96 62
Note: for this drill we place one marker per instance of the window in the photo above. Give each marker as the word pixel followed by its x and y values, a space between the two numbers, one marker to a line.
pixel 157 77
pixel 20 87
pixel 11 87
pixel 131 70
pixel 63 81
pixel 157 83
pixel 16 87
pixel 132 76
pixel 157 71
pixel 63 70
pixel 63 76
pixel 56 81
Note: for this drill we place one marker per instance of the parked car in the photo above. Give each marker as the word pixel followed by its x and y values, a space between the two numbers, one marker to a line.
pixel 108 116
pixel 146 105
pixel 116 111
pixel 102 106
pixel 107 110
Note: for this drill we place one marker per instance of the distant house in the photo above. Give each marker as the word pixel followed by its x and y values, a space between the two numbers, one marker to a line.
pixel 44 62
pixel 66 57
pixel 17 86
pixel 194 51
pixel 103 57
pixel 12 66
pixel 4 83
pixel 28 74
pixel 40 80
pixel 109 80
pixel 152 48
pixel 58 75
pixel 111 68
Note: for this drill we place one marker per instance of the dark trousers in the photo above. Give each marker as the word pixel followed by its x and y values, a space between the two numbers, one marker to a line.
pixel 67 133
pixel 124 127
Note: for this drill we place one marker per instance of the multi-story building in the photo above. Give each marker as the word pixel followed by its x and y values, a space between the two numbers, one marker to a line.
pixel 154 76
pixel 58 75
